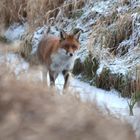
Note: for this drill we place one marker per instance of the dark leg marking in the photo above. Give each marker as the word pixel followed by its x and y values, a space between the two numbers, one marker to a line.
pixel 66 77
pixel 53 77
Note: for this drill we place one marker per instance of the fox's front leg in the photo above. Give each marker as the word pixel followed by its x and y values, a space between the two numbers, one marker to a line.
pixel 66 74
pixel 53 77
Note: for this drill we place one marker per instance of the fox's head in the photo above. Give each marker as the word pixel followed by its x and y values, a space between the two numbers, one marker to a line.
pixel 69 42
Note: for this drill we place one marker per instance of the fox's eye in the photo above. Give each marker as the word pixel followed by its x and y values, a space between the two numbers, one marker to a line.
pixel 74 46
pixel 67 46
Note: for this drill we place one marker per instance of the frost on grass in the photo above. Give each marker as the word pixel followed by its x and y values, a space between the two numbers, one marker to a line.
pixel 115 43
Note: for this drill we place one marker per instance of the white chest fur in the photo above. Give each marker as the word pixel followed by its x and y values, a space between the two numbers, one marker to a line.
pixel 61 61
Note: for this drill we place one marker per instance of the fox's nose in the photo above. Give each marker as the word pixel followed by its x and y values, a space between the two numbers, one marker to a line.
pixel 71 54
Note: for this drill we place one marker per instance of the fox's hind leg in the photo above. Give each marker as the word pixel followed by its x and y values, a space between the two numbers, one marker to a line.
pixel 66 74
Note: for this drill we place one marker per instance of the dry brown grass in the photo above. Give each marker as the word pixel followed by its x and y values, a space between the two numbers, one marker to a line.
pixel 36 12
pixel 106 20
pixel 110 36
pixel 39 11
pixel 106 39
pixel 122 83
pixel 12 11
pixel 33 112
pixel 134 85
pixel 46 11
pixel 127 85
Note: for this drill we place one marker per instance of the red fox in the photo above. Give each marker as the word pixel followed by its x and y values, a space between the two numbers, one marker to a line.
pixel 57 54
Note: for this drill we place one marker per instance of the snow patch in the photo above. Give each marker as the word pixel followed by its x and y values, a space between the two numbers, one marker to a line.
pixel 16 64
pixel 103 7
pixel 15 32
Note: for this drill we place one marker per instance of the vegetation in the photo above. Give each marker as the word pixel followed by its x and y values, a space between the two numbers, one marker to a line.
pixel 106 79
pixel 134 99
pixel 109 33
pixel 87 68
pixel 111 39
pixel 37 12
pixel 135 96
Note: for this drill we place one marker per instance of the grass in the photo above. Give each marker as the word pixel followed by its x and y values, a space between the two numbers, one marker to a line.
pixel 108 32
pixel 134 99
pixel 87 68
pixel 91 65
pixel 12 11
pixel 101 80
pixel 124 84
pixel 135 96
pixel 37 12
pixel 78 67
pixel 105 36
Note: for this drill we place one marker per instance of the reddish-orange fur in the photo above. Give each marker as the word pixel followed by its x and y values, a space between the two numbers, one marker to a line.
pixel 47 46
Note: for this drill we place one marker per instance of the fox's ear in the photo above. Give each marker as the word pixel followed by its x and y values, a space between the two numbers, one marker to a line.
pixel 77 35
pixel 63 34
